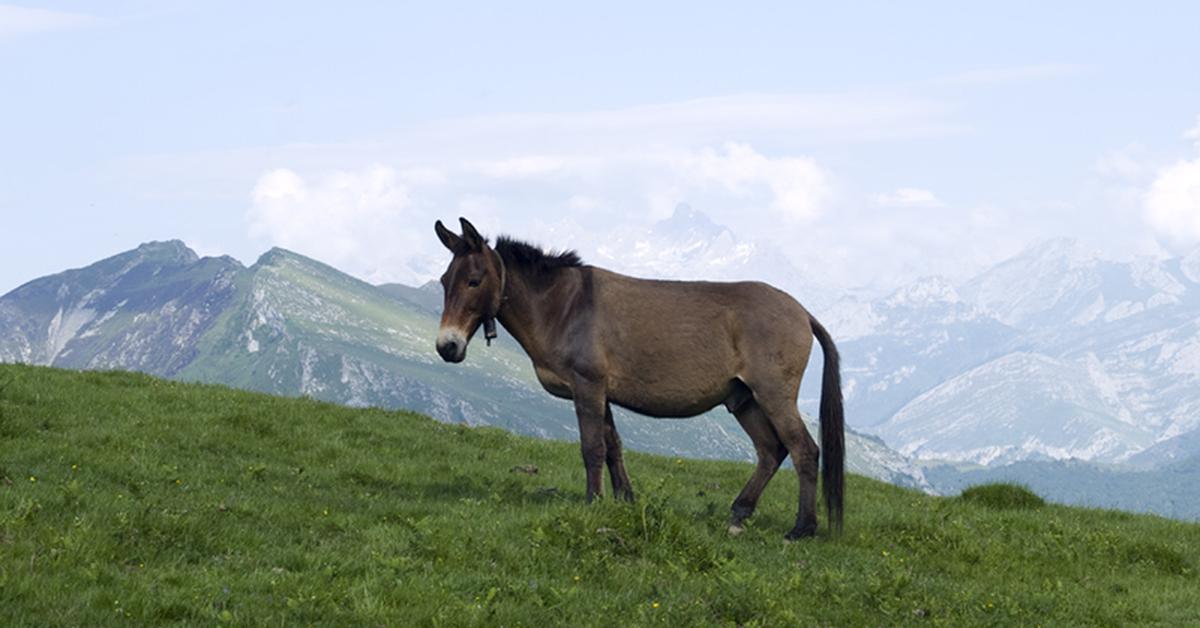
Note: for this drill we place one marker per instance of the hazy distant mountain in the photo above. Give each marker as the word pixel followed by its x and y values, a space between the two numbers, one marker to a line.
pixel 1168 452
pixel 1018 406
pixel 1054 353
pixel 290 325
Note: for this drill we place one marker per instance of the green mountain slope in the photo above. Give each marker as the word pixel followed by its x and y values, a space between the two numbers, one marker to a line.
pixel 290 325
pixel 129 498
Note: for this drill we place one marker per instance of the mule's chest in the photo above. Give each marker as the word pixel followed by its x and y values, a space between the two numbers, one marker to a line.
pixel 552 382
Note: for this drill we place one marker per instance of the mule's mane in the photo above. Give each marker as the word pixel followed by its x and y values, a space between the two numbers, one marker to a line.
pixel 534 262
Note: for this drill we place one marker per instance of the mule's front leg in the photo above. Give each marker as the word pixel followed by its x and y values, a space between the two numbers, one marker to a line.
pixel 589 409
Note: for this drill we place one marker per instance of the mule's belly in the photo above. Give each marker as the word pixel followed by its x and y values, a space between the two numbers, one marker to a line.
pixel 655 400
pixel 670 402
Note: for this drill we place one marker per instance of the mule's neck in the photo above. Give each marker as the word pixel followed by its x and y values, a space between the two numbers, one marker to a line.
pixel 533 311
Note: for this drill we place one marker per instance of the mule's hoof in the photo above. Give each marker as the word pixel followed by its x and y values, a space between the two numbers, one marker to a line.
pixel 800 533
pixel 735 530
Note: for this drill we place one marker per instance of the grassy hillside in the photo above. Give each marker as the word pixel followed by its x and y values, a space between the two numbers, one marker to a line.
pixel 128 498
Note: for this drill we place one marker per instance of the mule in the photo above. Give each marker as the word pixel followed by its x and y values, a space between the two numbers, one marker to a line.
pixel 658 348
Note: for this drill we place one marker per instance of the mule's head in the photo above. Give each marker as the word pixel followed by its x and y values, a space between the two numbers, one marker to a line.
pixel 473 285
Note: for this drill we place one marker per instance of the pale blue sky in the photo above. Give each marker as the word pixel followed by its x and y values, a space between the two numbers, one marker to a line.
pixel 900 139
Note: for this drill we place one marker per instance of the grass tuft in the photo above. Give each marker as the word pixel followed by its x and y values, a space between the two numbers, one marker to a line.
pixel 1003 496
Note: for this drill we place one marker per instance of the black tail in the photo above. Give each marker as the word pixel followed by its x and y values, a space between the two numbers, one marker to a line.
pixel 833 431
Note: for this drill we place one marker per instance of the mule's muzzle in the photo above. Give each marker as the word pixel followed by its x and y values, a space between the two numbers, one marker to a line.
pixel 452 346
pixel 452 352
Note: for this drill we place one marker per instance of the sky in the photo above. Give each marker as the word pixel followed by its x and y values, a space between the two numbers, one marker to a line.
pixel 874 143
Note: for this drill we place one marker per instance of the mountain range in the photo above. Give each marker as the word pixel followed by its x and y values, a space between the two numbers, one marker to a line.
pixel 1052 366
pixel 1054 354
pixel 291 325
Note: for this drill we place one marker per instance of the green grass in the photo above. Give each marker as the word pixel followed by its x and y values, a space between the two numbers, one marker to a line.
pixel 125 498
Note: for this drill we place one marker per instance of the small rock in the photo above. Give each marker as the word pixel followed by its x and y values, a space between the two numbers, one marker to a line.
pixel 530 469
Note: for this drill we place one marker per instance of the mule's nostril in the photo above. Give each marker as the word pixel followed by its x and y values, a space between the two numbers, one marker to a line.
pixel 450 350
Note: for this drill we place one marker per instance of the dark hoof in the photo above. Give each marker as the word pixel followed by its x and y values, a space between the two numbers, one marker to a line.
pixel 740 514
pixel 801 532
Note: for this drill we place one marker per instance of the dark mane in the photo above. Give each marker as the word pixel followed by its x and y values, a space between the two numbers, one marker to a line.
pixel 533 261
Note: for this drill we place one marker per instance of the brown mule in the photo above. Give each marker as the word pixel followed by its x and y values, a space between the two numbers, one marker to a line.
pixel 660 348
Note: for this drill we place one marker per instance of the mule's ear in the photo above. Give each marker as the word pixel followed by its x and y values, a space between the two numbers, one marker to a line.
pixel 472 237
pixel 450 239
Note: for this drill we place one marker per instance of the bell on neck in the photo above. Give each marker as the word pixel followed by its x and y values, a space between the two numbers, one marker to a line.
pixel 489 330
pixel 489 323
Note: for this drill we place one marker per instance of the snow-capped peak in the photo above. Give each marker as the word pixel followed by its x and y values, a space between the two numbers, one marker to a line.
pixel 1067 251
pixel 687 225
pixel 1190 265
pixel 924 291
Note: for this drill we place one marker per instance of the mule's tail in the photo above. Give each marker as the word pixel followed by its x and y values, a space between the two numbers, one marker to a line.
pixel 833 431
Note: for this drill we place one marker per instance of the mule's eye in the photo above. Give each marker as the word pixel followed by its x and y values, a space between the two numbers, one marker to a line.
pixel 473 283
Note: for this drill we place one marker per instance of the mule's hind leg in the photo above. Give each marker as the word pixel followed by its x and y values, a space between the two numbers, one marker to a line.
pixel 622 489
pixel 770 452
pixel 783 415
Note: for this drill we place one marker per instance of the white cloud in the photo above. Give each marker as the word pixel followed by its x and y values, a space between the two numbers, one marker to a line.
pixel 532 146
pixel 1172 204
pixel 1194 133
pixel 726 179
pixel 746 161
pixel 15 20
pixel 908 197
pixel 372 222
pixel 363 222
pixel 795 188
